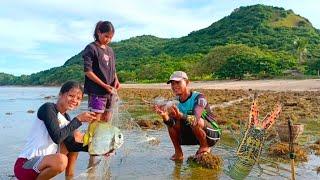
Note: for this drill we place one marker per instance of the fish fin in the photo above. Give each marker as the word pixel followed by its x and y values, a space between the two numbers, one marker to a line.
pixel 89 133
pixel 86 139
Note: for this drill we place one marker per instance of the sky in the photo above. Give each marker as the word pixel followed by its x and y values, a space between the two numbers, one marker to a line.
pixel 37 35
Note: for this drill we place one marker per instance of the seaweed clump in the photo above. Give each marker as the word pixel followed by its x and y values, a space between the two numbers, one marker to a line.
pixel 154 142
pixel 207 160
pixel 281 151
pixel 149 124
pixel 316 147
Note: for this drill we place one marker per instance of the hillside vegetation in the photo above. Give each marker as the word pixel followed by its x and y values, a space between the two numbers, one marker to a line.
pixel 252 42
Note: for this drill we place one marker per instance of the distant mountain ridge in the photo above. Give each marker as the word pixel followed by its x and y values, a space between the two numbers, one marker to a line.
pixel 151 59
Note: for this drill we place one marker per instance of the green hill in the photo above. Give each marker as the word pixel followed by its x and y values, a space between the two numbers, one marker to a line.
pixel 263 41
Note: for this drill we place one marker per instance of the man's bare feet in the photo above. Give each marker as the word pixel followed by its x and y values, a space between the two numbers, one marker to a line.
pixel 202 151
pixel 177 157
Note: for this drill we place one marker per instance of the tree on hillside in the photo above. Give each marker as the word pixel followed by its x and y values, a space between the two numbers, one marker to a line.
pixel 301 49
pixel 234 61
pixel 314 62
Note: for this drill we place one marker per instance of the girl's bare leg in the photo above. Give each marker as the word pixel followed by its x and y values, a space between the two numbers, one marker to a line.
pixel 52 165
pixel 72 158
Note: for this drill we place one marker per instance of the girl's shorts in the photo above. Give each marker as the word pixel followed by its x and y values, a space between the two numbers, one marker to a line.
pixel 100 104
pixel 27 169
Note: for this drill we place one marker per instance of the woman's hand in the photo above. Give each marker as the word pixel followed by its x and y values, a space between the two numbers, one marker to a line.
pixel 108 154
pixel 117 84
pixel 96 79
pixel 110 89
pixel 78 136
pixel 86 117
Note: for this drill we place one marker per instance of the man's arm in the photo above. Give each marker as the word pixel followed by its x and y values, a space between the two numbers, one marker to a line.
pixel 199 106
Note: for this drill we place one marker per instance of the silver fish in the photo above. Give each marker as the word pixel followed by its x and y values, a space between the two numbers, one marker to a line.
pixel 166 104
pixel 105 138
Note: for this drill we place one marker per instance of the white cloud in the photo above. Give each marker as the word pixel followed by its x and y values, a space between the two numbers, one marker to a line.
pixel 27 34
pixel 51 31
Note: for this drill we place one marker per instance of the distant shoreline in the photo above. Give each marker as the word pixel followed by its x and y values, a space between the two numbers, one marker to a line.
pixel 273 85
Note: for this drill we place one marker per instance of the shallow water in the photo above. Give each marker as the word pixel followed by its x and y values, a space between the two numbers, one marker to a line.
pixel 136 159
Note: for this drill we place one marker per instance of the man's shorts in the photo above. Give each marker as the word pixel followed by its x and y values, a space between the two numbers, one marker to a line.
pixel 101 104
pixel 188 138
pixel 27 169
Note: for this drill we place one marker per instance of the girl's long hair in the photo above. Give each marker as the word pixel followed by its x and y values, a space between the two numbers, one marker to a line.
pixel 102 27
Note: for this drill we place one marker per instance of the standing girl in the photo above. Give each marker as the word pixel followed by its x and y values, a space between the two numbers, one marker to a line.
pixel 101 81
pixel 53 136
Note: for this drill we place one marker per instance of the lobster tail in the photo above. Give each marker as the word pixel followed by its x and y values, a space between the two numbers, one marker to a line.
pixel 271 118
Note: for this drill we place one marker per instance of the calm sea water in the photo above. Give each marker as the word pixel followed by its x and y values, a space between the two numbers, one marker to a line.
pixel 136 159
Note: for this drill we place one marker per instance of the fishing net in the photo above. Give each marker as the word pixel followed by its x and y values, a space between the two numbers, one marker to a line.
pixel 122 119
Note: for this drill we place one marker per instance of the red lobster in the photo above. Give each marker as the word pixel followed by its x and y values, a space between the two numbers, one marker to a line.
pixel 249 149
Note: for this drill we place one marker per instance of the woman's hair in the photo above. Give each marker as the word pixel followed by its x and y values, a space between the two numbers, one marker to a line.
pixel 102 27
pixel 67 86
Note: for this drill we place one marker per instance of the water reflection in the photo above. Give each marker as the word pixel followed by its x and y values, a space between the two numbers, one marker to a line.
pixel 176 173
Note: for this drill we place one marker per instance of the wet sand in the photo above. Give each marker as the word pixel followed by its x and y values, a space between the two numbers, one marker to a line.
pixel 276 85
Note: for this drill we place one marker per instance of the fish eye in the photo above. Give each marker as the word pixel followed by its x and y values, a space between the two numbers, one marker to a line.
pixel 119 136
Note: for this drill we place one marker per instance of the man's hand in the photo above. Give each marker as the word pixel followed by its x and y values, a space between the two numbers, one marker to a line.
pixel 175 113
pixel 162 112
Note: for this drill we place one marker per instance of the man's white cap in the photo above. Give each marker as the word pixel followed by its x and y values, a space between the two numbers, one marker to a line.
pixel 177 76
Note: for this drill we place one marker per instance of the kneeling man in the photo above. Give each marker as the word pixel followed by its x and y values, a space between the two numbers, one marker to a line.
pixel 191 122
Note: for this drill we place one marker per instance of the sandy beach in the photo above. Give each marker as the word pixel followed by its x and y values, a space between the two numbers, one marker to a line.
pixel 275 85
